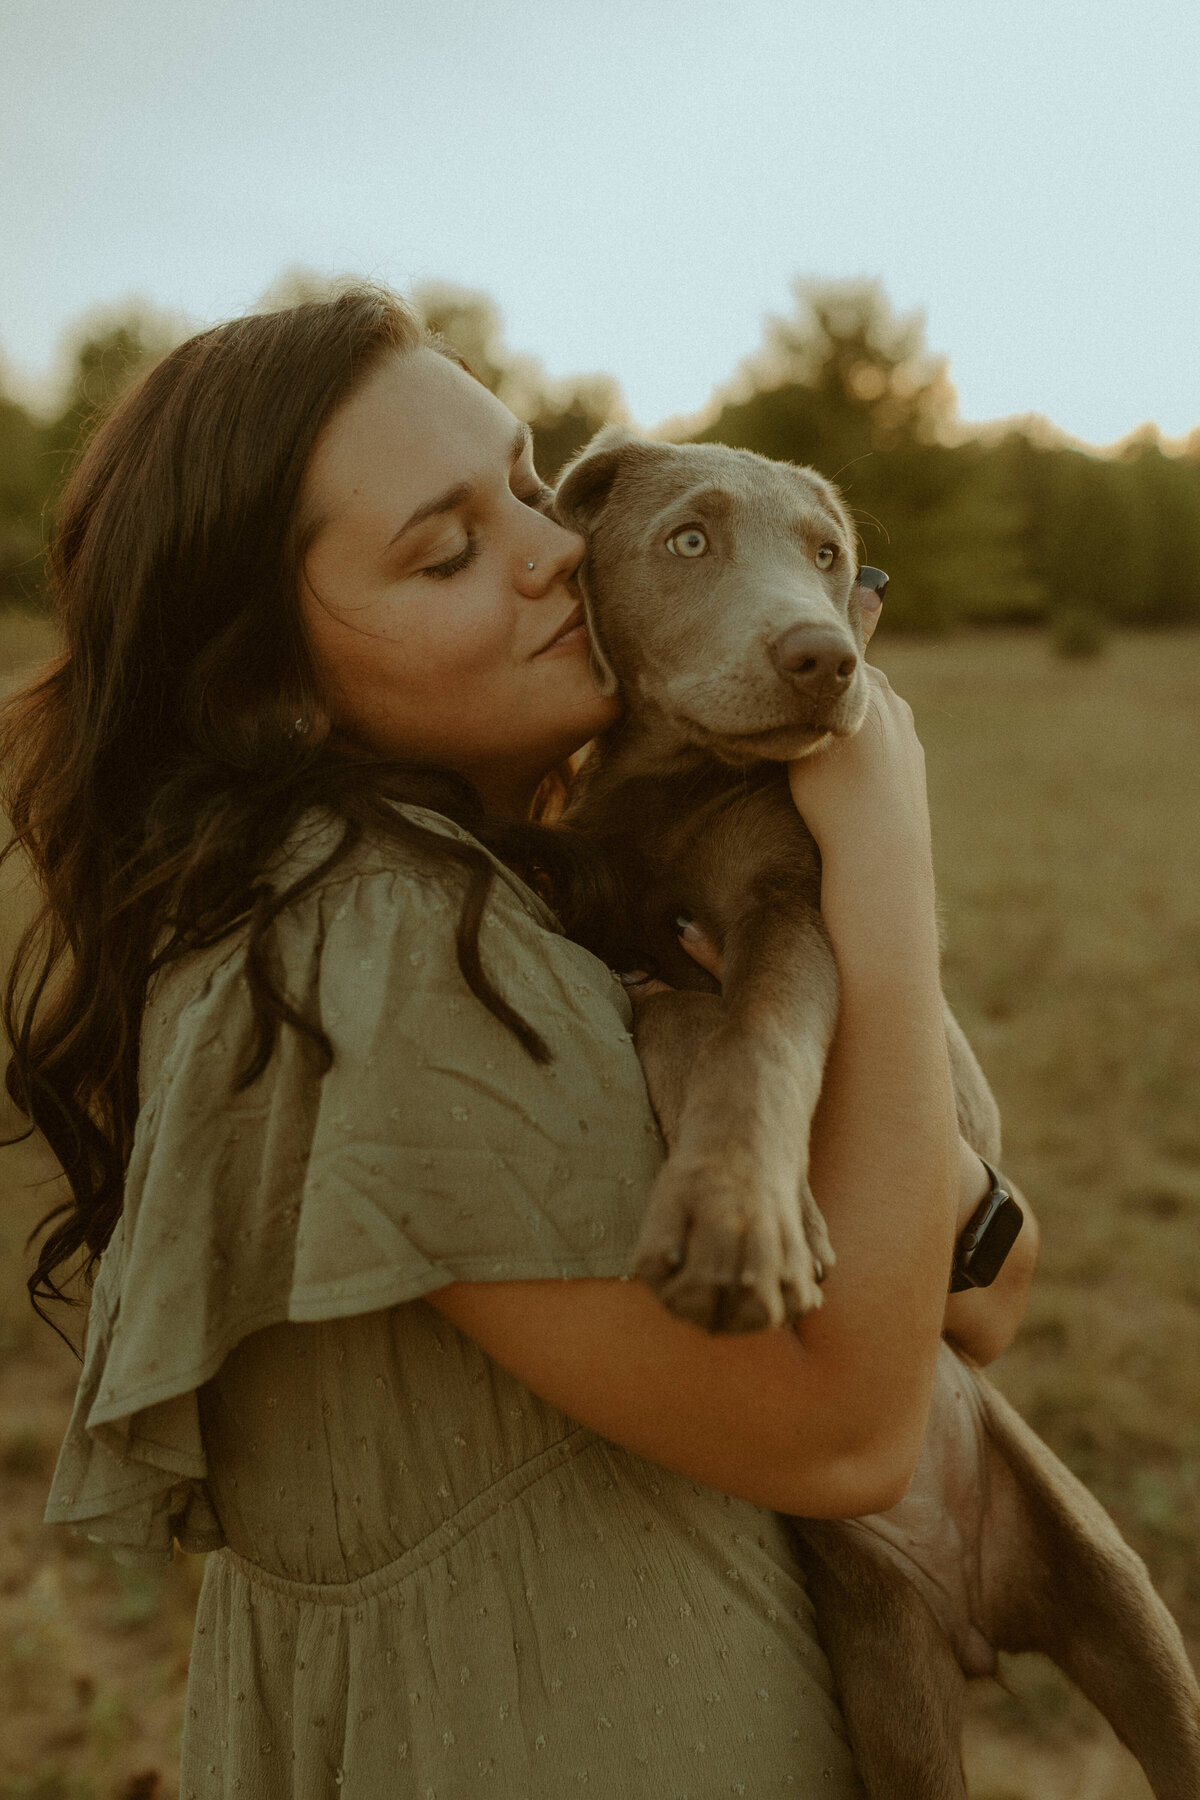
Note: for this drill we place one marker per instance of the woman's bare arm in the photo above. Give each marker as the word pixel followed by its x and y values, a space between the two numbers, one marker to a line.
pixel 723 1410
pixel 884 1155
pixel 751 1415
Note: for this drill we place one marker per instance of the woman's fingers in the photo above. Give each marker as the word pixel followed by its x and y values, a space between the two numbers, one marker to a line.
pixel 639 986
pixel 867 598
pixel 700 947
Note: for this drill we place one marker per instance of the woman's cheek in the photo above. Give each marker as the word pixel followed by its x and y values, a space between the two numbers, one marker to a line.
pixel 473 635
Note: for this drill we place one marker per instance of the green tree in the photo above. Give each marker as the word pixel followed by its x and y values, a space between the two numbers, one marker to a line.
pixel 1022 526
pixel 1164 501
pixel 109 354
pixel 563 414
pixel 106 354
pixel 849 387
pixel 22 478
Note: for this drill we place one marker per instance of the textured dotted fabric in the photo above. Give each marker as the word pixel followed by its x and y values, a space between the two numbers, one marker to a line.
pixel 425 1583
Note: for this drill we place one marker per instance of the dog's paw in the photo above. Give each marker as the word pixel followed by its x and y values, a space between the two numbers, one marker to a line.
pixel 816 1234
pixel 723 1255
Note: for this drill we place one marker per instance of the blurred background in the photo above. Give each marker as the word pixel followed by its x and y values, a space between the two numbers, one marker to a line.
pixel 947 255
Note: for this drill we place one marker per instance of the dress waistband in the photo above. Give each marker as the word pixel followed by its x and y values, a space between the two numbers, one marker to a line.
pixel 443 1538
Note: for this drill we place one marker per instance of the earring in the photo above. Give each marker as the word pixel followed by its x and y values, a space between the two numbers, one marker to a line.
pixel 529 566
pixel 299 728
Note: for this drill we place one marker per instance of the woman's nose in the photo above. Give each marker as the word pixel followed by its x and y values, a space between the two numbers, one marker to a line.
pixel 550 554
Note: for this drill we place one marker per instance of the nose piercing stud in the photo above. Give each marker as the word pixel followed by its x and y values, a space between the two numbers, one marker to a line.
pixel 529 565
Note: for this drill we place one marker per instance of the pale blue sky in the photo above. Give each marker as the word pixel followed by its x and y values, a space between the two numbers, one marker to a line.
pixel 635 183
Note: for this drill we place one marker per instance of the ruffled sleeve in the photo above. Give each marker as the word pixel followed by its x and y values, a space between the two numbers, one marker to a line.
pixel 433 1150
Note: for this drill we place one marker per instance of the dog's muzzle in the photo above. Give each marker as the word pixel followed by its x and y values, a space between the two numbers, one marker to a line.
pixel 816 661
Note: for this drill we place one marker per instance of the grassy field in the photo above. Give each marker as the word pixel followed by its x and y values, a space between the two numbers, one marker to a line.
pixel 1065 814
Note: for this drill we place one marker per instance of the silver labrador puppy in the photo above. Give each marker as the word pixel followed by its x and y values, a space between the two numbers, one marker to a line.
pixel 722 599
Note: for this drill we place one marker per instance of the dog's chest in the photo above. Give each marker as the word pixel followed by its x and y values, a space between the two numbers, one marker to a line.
pixel 705 844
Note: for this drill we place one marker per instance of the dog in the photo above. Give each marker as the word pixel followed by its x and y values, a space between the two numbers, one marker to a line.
pixel 722 598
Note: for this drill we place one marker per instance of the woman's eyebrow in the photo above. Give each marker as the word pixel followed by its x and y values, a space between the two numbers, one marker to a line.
pixel 455 497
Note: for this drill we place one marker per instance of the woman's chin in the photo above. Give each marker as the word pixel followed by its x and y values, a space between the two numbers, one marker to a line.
pixel 607 710
pixel 603 714
pixel 588 712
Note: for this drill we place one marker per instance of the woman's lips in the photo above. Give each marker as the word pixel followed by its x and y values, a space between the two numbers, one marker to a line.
pixel 572 632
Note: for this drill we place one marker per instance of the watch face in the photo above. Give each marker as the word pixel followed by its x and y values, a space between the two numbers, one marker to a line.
pixel 997 1238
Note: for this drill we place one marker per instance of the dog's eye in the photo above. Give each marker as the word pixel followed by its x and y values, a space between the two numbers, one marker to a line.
pixel 690 541
pixel 826 556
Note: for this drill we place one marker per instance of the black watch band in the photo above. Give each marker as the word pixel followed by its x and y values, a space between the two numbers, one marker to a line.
pixel 987 1237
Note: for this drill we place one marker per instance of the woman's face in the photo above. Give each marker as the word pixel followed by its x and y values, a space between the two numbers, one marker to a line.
pixel 435 638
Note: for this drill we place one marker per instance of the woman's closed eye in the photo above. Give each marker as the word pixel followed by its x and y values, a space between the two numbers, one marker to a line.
pixel 455 564
pixel 537 498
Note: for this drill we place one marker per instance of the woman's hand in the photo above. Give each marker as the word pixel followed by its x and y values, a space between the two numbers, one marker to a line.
pixel 867 791
pixel 699 946
pixel 869 602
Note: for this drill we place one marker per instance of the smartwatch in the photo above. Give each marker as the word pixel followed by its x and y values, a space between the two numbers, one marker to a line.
pixel 987 1237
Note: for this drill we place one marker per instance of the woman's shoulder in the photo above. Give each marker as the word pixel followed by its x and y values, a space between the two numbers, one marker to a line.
pixel 431 1148
pixel 426 1105
pixel 348 911
pixel 411 860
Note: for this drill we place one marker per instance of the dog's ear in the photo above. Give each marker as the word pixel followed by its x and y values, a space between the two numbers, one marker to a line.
pixel 603 673
pixel 579 499
pixel 833 498
pixel 584 485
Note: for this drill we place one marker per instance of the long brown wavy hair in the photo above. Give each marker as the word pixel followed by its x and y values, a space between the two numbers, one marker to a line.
pixel 151 773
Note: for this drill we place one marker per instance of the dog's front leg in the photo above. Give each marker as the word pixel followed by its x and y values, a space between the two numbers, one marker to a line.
pixel 733 1239
pixel 668 1031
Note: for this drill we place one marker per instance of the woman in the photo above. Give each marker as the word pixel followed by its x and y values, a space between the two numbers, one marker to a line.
pixel 368 1163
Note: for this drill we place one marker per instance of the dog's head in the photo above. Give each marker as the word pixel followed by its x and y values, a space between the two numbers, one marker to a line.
pixel 719 593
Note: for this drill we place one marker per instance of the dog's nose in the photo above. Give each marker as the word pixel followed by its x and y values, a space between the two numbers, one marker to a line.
pixel 816 659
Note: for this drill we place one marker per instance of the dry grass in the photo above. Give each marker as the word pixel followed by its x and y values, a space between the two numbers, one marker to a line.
pixel 93 1657
pixel 1069 864
pixel 1070 874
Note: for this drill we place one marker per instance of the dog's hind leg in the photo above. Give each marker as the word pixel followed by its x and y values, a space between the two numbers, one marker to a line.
pixel 898 1606
pixel 1009 1551
pixel 898 1680
pixel 1058 1577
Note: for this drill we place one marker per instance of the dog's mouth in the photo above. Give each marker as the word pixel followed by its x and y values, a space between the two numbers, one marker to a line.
pixel 775 743
pixel 784 742
pixel 743 709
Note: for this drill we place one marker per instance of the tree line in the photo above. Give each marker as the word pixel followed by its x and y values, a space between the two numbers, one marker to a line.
pixel 998 525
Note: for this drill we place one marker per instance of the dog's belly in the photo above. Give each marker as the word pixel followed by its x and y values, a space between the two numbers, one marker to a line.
pixel 934 1535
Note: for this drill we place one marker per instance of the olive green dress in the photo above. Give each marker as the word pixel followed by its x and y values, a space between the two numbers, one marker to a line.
pixel 425 1583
